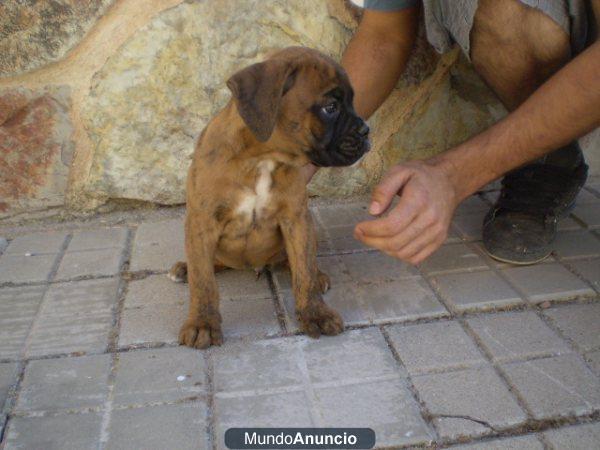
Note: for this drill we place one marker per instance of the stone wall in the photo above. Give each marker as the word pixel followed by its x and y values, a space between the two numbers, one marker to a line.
pixel 102 100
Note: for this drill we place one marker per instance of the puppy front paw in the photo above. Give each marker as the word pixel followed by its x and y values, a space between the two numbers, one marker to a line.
pixel 324 282
pixel 178 272
pixel 317 318
pixel 201 336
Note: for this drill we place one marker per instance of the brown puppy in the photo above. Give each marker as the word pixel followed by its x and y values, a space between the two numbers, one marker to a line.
pixel 246 197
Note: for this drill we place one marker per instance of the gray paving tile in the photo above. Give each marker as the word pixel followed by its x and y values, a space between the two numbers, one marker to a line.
pixel 469 225
pixel 581 323
pixel 370 267
pixel 158 245
pixel 18 307
pixel 180 427
pixel 242 284
pixel 453 258
pixel 434 346
pixel 106 262
pixel 568 224
pixel 37 243
pixel 556 386
pixel 8 376
pixel 352 355
pixel 517 335
pixel 25 269
pixel 63 432
pixel 589 269
pixel 577 244
pixel 471 204
pixel 63 384
pixel 460 393
pixel 512 443
pixel 342 241
pixel 74 317
pixel 400 301
pixel 3 244
pixel 97 239
pixel 386 406
pixel 543 282
pixel 469 291
pixel 593 359
pixel 161 375
pixel 587 197
pixel 259 365
pixel 590 215
pixel 578 437
pixel 155 308
pixel 266 410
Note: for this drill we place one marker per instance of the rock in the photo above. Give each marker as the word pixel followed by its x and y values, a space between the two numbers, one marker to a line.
pixel 34 33
pixel 150 101
pixel 35 148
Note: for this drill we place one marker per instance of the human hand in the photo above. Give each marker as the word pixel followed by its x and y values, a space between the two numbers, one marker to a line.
pixel 419 223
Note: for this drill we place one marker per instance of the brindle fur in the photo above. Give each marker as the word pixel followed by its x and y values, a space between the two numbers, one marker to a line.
pixel 268 119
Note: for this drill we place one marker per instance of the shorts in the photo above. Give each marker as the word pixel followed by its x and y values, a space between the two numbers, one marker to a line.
pixel 450 21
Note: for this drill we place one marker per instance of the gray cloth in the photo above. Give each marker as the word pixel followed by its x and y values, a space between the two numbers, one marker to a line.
pixel 449 21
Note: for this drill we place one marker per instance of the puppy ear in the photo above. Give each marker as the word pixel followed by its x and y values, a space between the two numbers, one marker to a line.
pixel 257 91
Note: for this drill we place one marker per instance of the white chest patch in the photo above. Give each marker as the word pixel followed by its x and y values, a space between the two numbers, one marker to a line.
pixel 253 204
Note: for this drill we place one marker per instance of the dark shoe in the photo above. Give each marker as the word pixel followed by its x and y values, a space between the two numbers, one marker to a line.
pixel 521 226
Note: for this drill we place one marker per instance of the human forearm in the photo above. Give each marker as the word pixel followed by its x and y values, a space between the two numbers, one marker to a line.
pixel 377 55
pixel 564 108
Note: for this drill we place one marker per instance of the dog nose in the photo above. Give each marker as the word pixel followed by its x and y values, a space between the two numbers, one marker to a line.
pixel 363 129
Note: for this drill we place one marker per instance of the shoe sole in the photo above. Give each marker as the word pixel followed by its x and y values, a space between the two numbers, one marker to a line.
pixel 517 263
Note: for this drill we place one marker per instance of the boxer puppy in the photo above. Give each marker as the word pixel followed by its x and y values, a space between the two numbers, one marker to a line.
pixel 247 205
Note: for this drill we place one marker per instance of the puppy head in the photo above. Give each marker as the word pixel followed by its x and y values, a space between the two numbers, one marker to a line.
pixel 302 100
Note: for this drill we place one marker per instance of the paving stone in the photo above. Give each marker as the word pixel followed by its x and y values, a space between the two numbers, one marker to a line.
pixel 593 359
pixel 462 393
pixel 25 269
pixel 556 386
pixel 242 284
pixel 75 317
pixel 180 427
pixel 3 244
pixel 155 308
pixel 37 243
pixel 8 375
pixel 65 383
pixel 578 437
pixel 543 282
pixel 161 375
pixel 98 239
pixel 370 267
pixel 403 300
pixel 588 215
pixel 580 323
pixel 342 241
pixel 258 365
pixel 588 269
pixel 587 197
pixel 352 355
pixel 473 203
pixel 468 291
pixel 18 307
pixel 265 410
pixel 385 406
pixel 96 263
pixel 568 224
pixel 513 443
pixel 62 432
pixel 158 245
pixel 469 225
pixel 577 244
pixel 517 335
pixel 422 348
pixel 453 258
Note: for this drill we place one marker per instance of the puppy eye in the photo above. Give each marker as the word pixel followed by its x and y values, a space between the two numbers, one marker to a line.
pixel 330 109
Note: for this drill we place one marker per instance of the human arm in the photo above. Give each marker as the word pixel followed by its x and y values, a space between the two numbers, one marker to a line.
pixel 564 108
pixel 376 56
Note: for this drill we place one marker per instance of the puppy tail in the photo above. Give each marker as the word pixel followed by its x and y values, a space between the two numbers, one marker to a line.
pixel 178 272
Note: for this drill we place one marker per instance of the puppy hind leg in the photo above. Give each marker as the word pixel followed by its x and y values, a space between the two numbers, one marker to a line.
pixel 179 271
